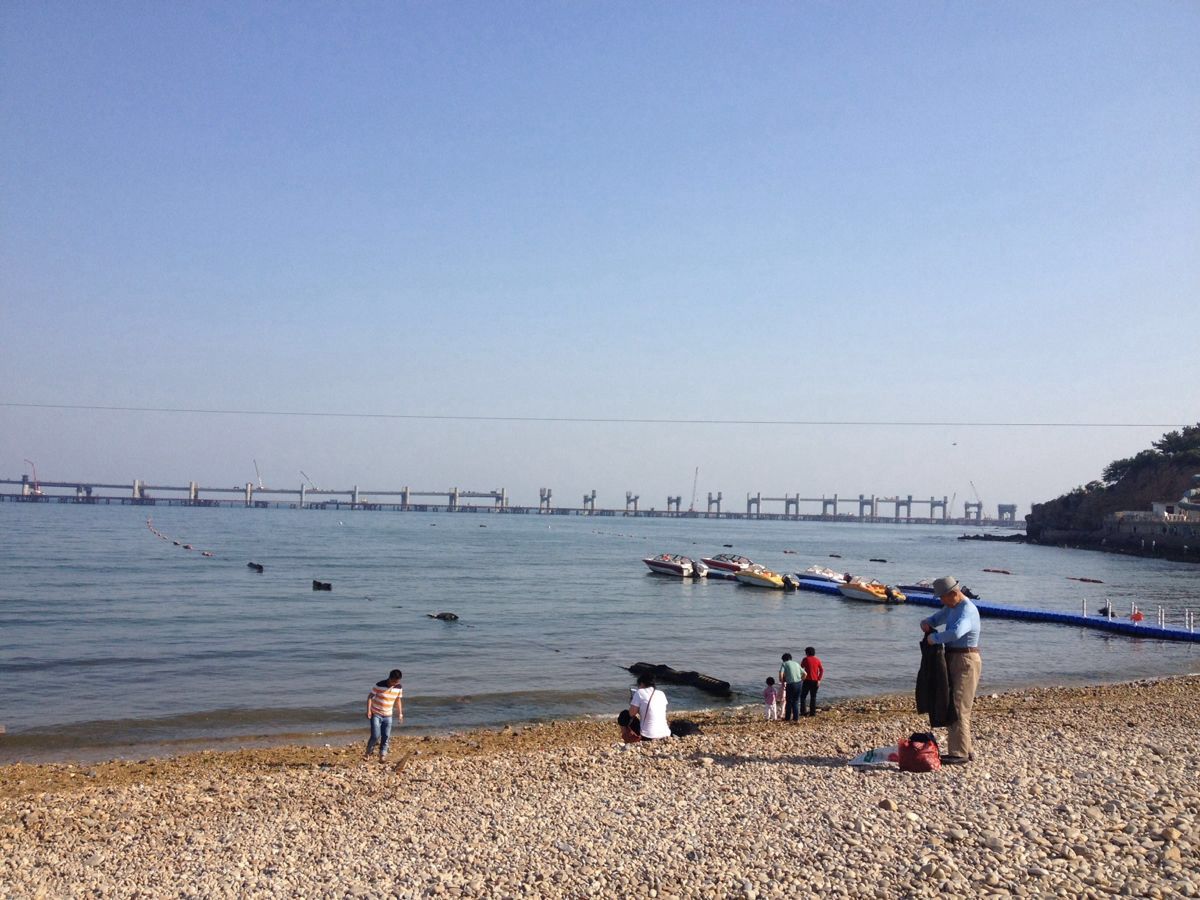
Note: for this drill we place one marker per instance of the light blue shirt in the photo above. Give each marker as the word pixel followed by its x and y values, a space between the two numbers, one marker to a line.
pixel 962 625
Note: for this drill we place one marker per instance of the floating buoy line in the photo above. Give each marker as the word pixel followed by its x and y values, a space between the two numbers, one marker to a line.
pixel 159 534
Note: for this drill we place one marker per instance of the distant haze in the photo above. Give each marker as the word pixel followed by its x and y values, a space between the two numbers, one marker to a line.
pixel 785 212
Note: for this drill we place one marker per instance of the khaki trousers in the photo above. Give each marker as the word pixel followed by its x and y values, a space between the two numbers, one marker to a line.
pixel 964 671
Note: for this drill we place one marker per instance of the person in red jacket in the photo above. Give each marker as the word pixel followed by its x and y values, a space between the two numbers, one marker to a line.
pixel 813 673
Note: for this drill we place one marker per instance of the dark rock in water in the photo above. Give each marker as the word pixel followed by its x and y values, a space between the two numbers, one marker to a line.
pixel 322 585
pixel 1014 538
pixel 667 675
pixel 257 567
pixel 444 616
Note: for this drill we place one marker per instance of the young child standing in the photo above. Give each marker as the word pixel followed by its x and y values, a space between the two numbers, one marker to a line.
pixel 771 699
pixel 386 696
pixel 813 673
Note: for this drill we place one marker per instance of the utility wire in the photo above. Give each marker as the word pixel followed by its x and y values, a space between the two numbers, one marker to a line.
pixel 581 419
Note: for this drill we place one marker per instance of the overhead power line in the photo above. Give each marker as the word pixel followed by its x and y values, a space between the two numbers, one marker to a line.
pixel 613 420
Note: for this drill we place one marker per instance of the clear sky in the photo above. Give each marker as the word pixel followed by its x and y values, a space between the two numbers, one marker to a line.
pixel 899 212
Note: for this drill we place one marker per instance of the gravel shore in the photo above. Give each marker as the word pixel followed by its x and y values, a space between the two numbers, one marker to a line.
pixel 1077 792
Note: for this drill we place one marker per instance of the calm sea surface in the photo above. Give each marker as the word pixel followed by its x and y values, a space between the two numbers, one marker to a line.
pixel 112 639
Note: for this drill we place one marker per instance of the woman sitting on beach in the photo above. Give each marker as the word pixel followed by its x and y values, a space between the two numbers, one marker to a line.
pixel 649 704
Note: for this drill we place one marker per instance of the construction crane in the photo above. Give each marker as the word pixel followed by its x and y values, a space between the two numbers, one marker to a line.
pixel 695 479
pixel 258 474
pixel 37 487
pixel 309 480
pixel 978 502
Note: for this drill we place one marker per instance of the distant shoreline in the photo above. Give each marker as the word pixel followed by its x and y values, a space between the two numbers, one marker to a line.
pixel 1077 542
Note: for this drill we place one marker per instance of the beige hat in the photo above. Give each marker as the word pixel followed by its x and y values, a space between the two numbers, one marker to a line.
pixel 944 585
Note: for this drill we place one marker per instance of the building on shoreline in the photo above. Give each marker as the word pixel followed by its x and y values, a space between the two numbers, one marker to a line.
pixel 1166 524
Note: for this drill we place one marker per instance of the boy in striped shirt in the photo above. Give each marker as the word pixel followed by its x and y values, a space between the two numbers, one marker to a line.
pixel 384 697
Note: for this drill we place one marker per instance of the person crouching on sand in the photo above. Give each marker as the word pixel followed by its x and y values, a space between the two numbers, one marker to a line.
pixel 386 697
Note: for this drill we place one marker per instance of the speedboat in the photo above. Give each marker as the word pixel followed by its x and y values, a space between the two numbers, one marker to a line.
pixel 725 565
pixel 871 591
pixel 760 576
pixel 679 566
pixel 821 573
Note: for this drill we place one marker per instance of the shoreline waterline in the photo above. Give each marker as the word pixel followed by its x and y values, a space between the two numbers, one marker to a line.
pixel 15 748
pixel 430 741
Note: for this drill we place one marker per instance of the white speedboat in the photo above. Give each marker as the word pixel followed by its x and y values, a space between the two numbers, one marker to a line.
pixel 725 565
pixel 821 573
pixel 678 566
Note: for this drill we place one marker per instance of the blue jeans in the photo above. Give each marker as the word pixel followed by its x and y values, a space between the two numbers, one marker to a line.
pixel 381 733
pixel 791 698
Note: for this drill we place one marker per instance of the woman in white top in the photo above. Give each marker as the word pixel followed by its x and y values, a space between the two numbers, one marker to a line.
pixel 649 704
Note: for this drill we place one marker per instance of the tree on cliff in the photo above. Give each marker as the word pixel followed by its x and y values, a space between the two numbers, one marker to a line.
pixel 1180 447
pixel 1161 473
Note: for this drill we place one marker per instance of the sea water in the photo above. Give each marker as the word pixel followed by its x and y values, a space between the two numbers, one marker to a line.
pixel 112 639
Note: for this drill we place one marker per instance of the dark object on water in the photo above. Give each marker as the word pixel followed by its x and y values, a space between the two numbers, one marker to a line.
pixel 835 556
pixel 257 567
pixel 727 545
pixel 791 583
pixel 444 616
pixel 878 560
pixel 322 585
pixel 667 675
pixel 968 593
pixel 1088 580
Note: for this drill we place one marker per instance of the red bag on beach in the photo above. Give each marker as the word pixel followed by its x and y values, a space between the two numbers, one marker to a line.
pixel 919 753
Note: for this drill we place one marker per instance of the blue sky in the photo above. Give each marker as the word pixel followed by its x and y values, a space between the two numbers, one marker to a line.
pixel 801 211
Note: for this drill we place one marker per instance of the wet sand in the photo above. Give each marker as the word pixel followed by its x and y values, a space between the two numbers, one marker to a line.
pixel 1076 792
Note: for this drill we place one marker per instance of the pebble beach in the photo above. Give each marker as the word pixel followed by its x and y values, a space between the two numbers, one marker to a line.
pixel 1076 792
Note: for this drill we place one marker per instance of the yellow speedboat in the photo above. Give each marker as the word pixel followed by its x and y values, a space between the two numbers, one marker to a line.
pixel 871 591
pixel 760 576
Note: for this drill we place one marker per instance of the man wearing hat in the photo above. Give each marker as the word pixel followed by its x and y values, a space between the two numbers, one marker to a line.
pixel 961 640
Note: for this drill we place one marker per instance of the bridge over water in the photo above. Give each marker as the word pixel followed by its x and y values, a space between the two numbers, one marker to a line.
pixel 863 508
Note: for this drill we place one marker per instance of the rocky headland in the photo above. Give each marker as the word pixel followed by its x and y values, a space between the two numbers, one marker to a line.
pixel 1166 472
pixel 1076 792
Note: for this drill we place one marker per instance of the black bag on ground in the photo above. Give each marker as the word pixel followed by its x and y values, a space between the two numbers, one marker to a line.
pixel 684 727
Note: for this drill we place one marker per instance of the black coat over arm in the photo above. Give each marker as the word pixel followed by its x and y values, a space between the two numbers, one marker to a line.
pixel 933 687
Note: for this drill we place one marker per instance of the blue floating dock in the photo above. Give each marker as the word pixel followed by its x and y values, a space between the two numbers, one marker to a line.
pixel 1002 611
